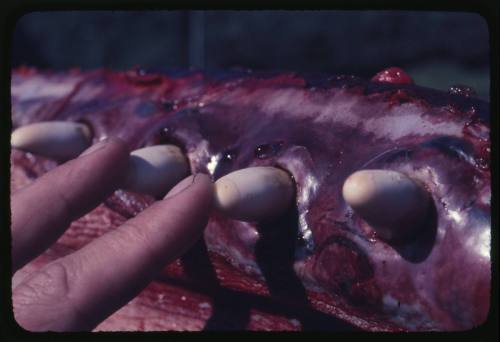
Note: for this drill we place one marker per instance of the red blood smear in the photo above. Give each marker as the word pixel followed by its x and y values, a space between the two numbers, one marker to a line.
pixel 393 75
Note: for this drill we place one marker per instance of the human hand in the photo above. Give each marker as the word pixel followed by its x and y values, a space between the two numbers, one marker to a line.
pixel 78 291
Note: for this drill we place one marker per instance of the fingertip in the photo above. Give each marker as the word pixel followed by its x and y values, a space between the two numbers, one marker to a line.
pixel 204 188
pixel 110 145
pixel 204 181
pixel 180 187
pixel 108 158
pixel 200 182
pixel 120 145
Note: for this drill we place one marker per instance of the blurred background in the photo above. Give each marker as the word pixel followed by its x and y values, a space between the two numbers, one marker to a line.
pixel 438 49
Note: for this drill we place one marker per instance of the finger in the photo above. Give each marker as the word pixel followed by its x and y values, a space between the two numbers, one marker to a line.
pixel 80 290
pixel 43 210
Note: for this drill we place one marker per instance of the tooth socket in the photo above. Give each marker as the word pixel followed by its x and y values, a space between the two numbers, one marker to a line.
pixel 394 205
pixel 156 169
pixel 58 140
pixel 254 194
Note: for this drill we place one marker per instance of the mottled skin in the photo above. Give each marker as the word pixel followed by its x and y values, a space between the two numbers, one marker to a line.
pixel 320 254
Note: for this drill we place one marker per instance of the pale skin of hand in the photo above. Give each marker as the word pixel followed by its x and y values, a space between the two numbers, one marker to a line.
pixel 80 290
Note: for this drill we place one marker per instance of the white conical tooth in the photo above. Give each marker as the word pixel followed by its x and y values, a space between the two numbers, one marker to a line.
pixel 254 194
pixel 60 140
pixel 156 169
pixel 391 202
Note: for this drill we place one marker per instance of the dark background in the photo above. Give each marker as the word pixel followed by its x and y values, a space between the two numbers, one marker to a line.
pixel 438 49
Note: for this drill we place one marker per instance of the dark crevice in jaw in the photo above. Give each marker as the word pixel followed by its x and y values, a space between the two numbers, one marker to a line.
pixel 275 254
pixel 417 248
pixel 304 245
pixel 228 312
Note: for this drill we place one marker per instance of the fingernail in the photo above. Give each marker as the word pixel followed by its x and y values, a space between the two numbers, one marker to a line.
pixel 181 186
pixel 101 144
